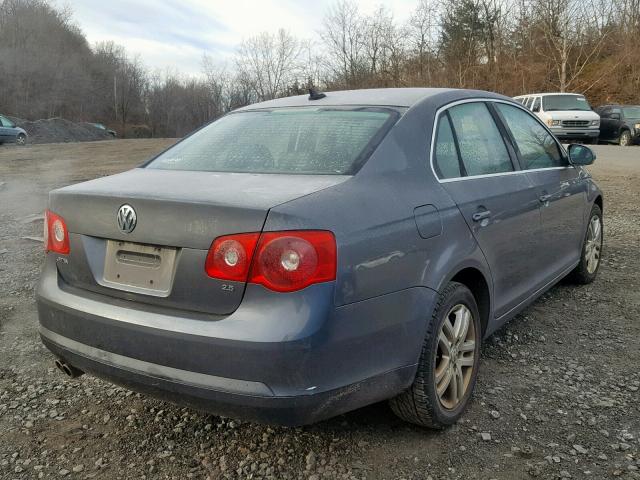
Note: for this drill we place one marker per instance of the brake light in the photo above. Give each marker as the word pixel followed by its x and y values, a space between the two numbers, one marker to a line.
pixel 281 261
pixel 229 257
pixel 56 236
pixel 289 261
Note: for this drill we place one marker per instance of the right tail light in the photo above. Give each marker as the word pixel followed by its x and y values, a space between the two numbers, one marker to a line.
pixel 281 261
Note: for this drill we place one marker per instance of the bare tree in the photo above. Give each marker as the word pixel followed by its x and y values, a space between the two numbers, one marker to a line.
pixel 511 46
pixel 343 34
pixel 129 83
pixel 422 33
pixel 270 62
pixel 572 35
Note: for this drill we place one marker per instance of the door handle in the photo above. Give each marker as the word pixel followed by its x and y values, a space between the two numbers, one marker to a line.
pixel 545 198
pixel 478 216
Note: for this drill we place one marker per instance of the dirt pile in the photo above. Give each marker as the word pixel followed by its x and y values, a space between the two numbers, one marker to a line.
pixel 59 130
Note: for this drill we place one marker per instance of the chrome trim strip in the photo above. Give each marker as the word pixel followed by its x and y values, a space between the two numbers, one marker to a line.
pixel 489 175
pixel 133 365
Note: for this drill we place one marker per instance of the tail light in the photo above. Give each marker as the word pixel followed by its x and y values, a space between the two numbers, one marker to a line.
pixel 280 261
pixel 56 235
pixel 229 257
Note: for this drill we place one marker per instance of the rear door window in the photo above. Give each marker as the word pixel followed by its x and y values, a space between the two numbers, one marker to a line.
pixel 447 162
pixel 536 146
pixel 482 148
pixel 303 140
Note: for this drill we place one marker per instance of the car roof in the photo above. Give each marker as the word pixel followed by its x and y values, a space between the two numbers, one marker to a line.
pixel 548 94
pixel 389 97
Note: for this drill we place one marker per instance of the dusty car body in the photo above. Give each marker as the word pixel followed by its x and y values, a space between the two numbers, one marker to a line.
pixel 396 227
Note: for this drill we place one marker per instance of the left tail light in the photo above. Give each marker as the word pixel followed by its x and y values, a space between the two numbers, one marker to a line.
pixel 56 235
pixel 281 261
pixel 229 257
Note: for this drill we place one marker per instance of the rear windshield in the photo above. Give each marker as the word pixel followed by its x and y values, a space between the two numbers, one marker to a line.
pixel 552 103
pixel 293 140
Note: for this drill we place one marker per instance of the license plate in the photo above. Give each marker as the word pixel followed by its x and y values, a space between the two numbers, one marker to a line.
pixel 138 268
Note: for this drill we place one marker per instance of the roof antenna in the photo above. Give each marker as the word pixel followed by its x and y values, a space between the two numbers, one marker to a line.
pixel 315 95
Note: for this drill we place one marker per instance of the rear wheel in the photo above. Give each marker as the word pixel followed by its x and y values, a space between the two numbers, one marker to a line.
pixel 21 139
pixel 625 138
pixel 448 365
pixel 589 265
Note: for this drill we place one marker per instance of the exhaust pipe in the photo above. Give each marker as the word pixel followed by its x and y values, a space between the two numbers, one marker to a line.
pixel 69 370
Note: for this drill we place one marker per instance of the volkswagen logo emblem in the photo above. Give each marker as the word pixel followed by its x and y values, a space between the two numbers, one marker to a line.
pixel 127 218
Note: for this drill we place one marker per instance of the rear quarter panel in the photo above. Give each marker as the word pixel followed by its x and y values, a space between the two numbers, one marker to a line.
pixel 380 249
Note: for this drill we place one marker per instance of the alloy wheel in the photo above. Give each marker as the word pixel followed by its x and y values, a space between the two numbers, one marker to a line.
pixel 455 356
pixel 21 140
pixel 625 139
pixel 594 244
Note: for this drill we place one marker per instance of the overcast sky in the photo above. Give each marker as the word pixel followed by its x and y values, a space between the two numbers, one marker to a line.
pixel 175 34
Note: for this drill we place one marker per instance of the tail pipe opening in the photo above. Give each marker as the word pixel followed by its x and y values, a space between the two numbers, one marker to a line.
pixel 69 370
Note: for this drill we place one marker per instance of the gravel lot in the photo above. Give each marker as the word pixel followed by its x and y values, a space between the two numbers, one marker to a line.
pixel 557 397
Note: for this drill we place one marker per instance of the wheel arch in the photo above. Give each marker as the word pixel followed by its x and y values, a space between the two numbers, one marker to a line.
pixel 475 280
pixel 623 128
pixel 599 201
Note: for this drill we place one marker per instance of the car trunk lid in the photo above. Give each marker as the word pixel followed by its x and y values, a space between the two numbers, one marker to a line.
pixel 178 215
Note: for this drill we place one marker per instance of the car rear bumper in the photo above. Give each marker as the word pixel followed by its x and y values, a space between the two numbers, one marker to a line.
pixel 210 394
pixel 286 359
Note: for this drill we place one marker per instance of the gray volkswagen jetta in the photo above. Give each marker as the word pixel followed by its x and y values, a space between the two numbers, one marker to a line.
pixel 306 256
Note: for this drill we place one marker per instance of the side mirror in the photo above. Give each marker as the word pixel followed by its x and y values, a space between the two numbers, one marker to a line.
pixel 615 116
pixel 581 155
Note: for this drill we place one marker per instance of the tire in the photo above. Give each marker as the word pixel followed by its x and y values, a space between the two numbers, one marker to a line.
pixel 420 403
pixel 586 272
pixel 21 139
pixel 625 138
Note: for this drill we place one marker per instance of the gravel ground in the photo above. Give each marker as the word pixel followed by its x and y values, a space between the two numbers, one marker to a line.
pixel 557 395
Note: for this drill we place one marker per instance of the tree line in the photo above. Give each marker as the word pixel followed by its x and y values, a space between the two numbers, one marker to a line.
pixel 48 69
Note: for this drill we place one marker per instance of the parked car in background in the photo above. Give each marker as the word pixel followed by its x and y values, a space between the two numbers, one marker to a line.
pixel 102 126
pixel 620 124
pixel 568 115
pixel 306 256
pixel 10 133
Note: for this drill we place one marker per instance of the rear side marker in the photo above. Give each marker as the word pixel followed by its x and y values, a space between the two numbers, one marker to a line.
pixel 281 261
